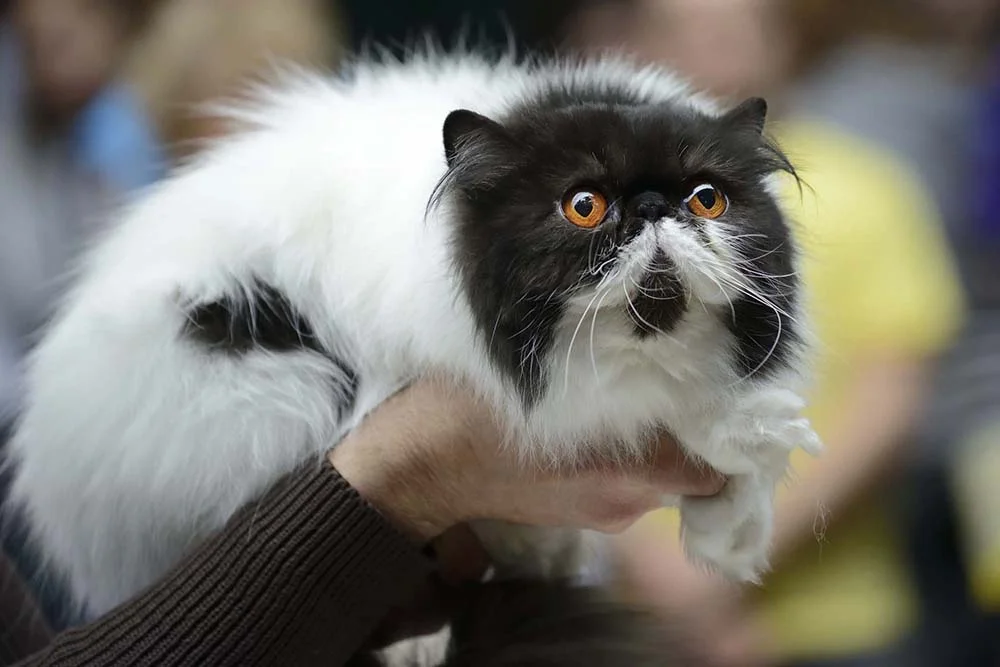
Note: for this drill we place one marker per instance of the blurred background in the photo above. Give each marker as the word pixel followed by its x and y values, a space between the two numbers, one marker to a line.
pixel 888 547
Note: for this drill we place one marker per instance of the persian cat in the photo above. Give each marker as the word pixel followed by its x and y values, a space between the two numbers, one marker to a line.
pixel 595 249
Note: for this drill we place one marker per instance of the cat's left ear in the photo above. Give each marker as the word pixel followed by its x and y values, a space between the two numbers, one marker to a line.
pixel 463 127
pixel 749 115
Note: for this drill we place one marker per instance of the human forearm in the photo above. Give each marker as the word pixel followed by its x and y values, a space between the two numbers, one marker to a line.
pixel 304 575
pixel 307 573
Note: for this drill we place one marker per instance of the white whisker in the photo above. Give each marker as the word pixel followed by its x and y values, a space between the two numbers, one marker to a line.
pixel 767 357
pixel 634 310
pixel 572 340
pixel 593 324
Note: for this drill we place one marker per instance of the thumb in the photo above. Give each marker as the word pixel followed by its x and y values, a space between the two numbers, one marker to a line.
pixel 678 472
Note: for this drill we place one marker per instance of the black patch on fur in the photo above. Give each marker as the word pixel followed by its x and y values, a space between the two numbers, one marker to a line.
pixel 520 259
pixel 661 301
pixel 762 322
pixel 240 322
pixel 262 318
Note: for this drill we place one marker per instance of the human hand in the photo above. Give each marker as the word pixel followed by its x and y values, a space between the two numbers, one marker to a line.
pixel 431 458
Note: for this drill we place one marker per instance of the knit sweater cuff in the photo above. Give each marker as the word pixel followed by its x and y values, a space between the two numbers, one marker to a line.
pixel 301 577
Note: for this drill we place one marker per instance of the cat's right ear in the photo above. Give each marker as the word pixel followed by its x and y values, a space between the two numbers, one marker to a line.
pixel 465 128
pixel 751 114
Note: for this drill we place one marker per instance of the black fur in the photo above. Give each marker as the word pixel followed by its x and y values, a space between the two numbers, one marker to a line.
pixel 552 624
pixel 262 318
pixel 528 624
pixel 520 259
pixel 661 301
pixel 764 328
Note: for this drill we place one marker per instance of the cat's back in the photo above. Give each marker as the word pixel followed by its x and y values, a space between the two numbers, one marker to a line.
pixel 327 169
pixel 376 127
pixel 345 165
pixel 370 139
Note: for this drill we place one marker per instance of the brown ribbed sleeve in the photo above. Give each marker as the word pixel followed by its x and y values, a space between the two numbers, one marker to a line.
pixel 23 629
pixel 300 578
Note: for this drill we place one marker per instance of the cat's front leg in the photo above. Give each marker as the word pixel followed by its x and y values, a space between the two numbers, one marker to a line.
pixel 750 442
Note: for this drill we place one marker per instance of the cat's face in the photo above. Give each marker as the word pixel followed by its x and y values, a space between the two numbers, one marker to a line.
pixel 650 209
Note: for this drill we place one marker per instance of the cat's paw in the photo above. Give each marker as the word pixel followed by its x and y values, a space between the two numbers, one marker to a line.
pixel 751 444
pixel 731 532
pixel 757 434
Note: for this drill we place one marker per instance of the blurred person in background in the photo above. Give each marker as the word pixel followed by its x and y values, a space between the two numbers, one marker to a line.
pixel 914 77
pixel 105 98
pixel 985 234
pixel 963 429
pixel 885 300
pixel 197 52
pixel 903 74
pixel 72 141
pixel 909 75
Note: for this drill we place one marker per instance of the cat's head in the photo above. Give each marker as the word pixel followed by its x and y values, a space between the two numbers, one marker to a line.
pixel 610 201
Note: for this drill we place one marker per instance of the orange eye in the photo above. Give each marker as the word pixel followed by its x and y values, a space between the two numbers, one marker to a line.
pixel 584 208
pixel 707 201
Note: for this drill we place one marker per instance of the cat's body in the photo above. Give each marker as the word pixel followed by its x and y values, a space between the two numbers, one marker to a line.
pixel 252 309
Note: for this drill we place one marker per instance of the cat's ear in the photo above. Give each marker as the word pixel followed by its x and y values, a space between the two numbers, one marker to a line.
pixel 750 115
pixel 463 127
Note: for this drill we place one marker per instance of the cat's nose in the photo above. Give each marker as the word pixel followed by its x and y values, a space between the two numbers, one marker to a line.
pixel 650 206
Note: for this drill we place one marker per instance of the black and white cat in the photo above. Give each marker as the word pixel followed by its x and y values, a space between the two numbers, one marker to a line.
pixel 596 249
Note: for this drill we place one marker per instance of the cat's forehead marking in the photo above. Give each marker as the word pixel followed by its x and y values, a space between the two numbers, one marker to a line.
pixel 626 140
pixel 626 134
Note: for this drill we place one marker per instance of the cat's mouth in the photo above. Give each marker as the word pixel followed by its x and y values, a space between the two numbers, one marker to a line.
pixel 657 300
pixel 672 264
pixel 657 276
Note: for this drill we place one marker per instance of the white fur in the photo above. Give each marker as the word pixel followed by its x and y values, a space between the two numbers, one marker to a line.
pixel 423 650
pixel 136 444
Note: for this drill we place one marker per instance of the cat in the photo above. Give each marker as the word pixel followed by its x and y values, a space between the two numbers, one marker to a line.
pixel 595 248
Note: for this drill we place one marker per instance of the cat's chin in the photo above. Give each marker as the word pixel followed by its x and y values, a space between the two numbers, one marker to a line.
pixel 711 293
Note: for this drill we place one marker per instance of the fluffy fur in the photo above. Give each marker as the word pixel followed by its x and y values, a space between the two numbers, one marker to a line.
pixel 358 234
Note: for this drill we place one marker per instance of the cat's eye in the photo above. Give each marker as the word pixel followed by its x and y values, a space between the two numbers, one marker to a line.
pixel 584 207
pixel 707 201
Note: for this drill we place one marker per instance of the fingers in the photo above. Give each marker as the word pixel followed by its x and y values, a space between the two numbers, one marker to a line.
pixel 680 473
pixel 613 497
